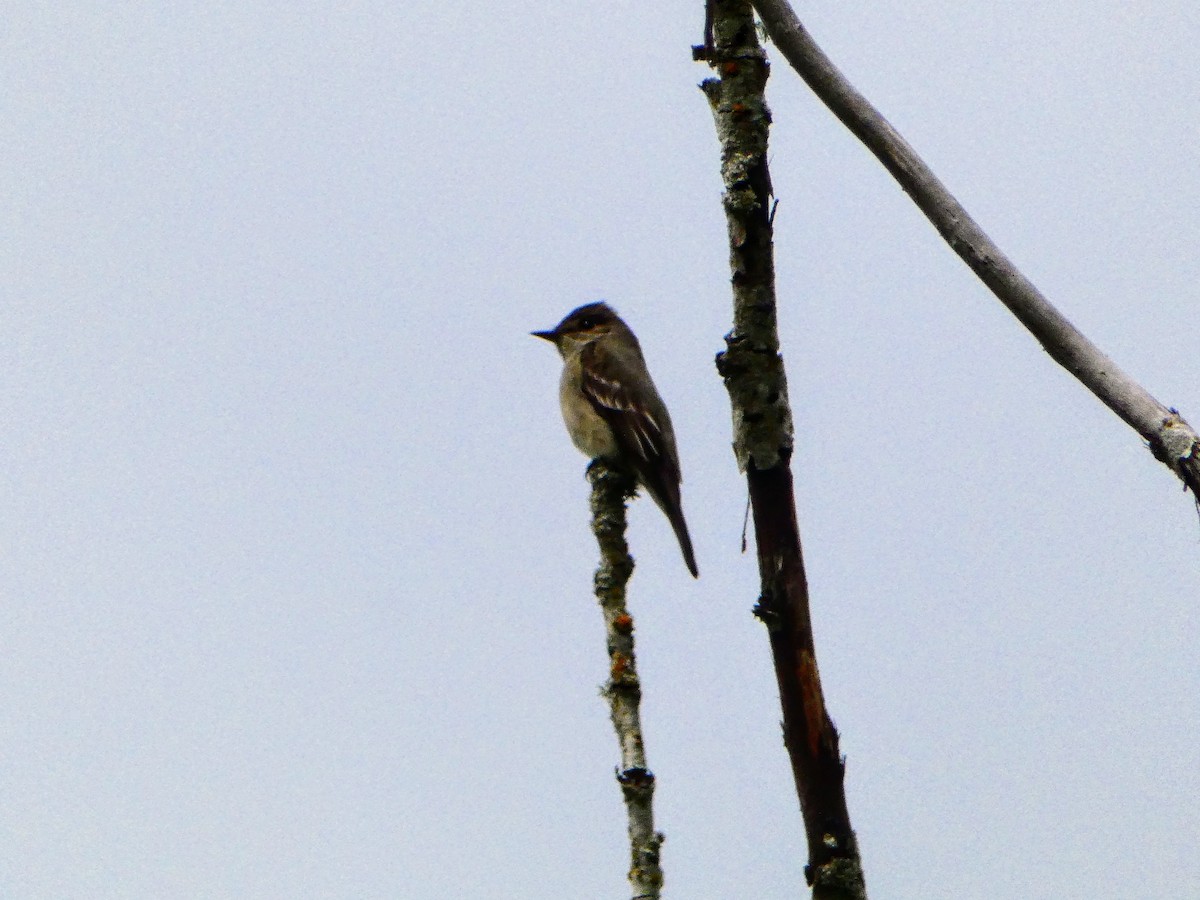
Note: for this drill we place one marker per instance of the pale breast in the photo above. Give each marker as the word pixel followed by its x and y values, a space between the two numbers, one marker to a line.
pixel 589 432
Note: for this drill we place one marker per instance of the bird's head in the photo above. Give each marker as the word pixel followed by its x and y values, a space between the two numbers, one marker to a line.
pixel 582 326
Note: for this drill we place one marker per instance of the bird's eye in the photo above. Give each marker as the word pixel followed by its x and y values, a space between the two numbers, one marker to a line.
pixel 587 323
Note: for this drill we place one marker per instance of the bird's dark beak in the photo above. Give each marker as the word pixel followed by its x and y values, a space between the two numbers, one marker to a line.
pixel 551 336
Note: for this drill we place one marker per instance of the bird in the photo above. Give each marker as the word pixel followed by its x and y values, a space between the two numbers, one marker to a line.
pixel 612 409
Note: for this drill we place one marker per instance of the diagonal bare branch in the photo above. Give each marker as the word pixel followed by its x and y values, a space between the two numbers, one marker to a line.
pixel 1172 440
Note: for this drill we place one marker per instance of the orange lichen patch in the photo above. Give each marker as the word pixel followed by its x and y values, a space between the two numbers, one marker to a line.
pixel 814 702
pixel 729 68
pixel 623 623
pixel 620 665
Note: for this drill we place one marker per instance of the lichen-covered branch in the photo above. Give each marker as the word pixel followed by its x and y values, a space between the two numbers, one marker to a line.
pixel 762 424
pixel 1172 440
pixel 623 690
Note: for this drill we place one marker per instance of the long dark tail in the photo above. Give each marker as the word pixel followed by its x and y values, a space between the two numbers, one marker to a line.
pixel 666 495
pixel 685 541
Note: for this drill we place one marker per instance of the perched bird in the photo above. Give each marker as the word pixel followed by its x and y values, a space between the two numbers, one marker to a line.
pixel 613 411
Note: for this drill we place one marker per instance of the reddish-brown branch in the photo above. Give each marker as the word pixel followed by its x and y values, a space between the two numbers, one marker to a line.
pixel 811 739
pixel 754 376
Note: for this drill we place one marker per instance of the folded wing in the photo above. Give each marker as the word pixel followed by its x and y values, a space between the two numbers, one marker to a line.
pixel 642 430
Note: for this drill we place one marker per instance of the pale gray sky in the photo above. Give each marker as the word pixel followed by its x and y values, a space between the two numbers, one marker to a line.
pixel 296 569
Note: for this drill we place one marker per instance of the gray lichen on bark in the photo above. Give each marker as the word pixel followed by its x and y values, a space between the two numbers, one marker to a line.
pixel 751 364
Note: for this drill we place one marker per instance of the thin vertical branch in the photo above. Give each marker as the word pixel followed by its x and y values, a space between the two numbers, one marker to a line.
pixel 754 376
pixel 610 489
